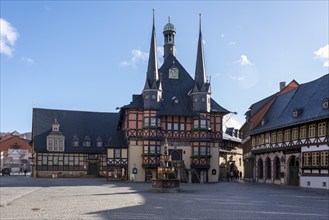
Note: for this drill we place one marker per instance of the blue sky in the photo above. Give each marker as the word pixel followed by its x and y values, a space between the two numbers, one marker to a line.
pixel 92 56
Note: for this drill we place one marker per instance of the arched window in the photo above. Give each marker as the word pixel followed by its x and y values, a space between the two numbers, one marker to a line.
pixel 268 168
pixel 277 168
pixel 260 168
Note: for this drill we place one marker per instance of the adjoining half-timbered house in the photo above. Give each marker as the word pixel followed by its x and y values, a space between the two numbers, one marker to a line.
pixel 231 152
pixel 128 144
pixel 72 143
pixel 289 135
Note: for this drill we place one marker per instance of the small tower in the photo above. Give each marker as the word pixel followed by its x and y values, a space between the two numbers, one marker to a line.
pixel 152 92
pixel 169 32
pixel 55 125
pixel 201 92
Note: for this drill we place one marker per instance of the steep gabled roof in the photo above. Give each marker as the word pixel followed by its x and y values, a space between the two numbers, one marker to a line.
pixel 175 89
pixel 257 110
pixel 73 123
pixel 308 97
pixel 175 98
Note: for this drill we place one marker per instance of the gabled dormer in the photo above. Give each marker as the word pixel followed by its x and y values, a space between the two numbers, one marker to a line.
pixel 152 92
pixel 55 139
pixel 201 92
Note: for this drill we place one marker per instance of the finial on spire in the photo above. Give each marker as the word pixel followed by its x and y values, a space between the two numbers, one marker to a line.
pixel 169 19
pixel 200 21
pixel 153 15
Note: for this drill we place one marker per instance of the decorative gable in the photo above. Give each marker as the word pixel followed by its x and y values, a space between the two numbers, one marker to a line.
pixel 55 140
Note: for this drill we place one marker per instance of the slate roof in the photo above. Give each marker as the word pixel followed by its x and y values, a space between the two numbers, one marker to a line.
pixel 254 108
pixel 175 89
pixel 74 123
pixel 308 97
pixel 118 141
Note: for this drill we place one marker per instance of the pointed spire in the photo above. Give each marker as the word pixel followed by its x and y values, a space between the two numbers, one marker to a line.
pixel 152 69
pixel 200 72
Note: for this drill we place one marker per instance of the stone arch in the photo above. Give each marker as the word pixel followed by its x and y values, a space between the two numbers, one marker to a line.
pixel 260 169
pixel 268 168
pixel 293 169
pixel 276 167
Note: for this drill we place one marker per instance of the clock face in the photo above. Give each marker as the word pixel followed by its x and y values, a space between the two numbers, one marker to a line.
pixel 173 73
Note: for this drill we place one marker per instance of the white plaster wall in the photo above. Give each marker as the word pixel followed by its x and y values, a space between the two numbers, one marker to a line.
pixel 187 156
pixel 135 159
pixel 314 148
pixel 213 165
pixel 315 182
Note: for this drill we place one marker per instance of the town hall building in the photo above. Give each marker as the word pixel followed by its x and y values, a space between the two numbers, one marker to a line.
pixel 128 144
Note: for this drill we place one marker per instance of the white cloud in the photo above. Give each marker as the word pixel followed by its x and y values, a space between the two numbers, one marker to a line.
pixel 231 43
pixel 222 36
pixel 9 36
pixel 237 78
pixel 244 61
pixel 323 54
pixel 28 60
pixel 138 56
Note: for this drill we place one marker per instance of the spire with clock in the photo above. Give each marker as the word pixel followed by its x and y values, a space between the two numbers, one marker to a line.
pixel 201 91
pixel 152 92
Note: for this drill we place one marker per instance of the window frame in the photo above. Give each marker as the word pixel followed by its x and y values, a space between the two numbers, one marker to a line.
pixel 311 131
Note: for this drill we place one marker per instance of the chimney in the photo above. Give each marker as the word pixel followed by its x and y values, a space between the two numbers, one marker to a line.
pixel 282 85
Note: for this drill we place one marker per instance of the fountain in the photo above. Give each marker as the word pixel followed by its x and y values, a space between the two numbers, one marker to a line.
pixel 164 183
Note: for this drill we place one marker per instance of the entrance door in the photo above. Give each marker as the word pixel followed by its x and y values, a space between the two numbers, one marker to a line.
pixel 115 173
pixel 175 154
pixel 92 169
pixel 176 157
pixel 293 171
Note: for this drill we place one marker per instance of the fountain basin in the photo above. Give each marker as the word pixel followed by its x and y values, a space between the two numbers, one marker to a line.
pixel 165 185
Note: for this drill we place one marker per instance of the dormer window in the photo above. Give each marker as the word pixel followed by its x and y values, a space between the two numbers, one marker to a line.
pixel 196 100
pixel 87 142
pixel 153 96
pixel 75 141
pixel 263 122
pixel 99 142
pixel 325 103
pixel 297 112
pixel 55 140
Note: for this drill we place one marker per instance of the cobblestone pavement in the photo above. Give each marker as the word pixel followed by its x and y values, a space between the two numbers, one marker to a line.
pixel 95 198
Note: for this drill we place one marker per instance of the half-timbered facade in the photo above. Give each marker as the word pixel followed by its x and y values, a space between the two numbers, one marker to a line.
pixel 174 105
pixel 72 143
pixel 128 144
pixel 290 140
